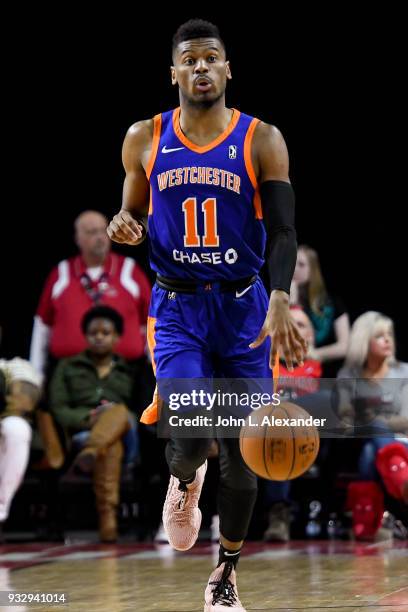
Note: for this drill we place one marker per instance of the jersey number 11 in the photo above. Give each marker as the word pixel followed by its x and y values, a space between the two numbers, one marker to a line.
pixel 191 237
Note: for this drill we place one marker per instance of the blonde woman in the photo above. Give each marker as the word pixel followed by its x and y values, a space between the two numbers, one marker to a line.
pixel 379 383
pixel 374 392
pixel 327 313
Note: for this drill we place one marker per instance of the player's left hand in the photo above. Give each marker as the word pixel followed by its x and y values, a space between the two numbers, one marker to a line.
pixel 278 325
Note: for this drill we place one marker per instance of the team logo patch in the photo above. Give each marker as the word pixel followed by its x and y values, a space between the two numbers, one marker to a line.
pixel 171 295
pixel 232 152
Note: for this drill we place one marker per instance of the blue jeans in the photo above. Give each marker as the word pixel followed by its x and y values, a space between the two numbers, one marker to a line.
pixel 277 491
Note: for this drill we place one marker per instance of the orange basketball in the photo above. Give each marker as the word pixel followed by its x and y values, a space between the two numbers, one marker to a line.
pixel 277 450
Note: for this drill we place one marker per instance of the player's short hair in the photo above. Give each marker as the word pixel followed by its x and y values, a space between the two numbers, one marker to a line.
pixel 102 312
pixel 196 28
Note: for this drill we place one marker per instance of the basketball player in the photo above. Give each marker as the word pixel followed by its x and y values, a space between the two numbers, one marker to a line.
pixel 214 184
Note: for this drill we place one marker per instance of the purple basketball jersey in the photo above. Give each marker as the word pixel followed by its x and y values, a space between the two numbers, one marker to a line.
pixel 205 219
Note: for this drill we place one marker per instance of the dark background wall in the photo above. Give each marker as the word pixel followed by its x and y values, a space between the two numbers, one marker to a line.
pixel 331 82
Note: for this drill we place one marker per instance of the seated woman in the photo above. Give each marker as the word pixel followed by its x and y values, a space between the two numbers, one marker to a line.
pixel 326 312
pixel 373 389
pixel 311 368
pixel 90 394
pixel 303 380
pixel 19 394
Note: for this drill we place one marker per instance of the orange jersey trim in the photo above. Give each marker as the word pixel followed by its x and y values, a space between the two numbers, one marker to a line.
pixel 157 123
pixel 203 149
pixel 150 212
pixel 257 205
pixel 151 414
pixel 151 340
pixel 250 167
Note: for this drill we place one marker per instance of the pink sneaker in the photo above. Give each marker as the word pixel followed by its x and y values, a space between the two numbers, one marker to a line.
pixel 181 514
pixel 221 594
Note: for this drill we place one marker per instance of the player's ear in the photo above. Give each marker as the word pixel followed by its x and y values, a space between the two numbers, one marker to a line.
pixel 228 70
pixel 173 75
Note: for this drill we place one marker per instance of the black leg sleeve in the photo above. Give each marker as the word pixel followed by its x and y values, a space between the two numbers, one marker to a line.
pixel 237 491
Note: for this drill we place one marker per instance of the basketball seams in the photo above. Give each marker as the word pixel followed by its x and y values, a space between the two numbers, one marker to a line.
pixel 317 440
pixel 264 453
pixel 293 444
pixel 259 454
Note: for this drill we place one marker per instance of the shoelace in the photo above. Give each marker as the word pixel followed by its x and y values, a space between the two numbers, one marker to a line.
pixel 224 592
pixel 182 501
pixel 178 511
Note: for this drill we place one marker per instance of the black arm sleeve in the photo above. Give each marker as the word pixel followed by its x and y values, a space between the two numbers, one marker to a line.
pixel 278 209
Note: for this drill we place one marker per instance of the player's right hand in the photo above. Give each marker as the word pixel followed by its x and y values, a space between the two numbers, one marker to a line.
pixel 284 334
pixel 125 230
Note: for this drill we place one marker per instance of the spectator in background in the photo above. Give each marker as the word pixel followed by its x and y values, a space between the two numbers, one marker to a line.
pixel 327 313
pixel 373 389
pixel 19 394
pixel 302 380
pixel 90 395
pixel 311 367
pixel 95 276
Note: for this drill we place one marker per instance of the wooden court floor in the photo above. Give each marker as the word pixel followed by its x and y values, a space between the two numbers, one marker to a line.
pixel 299 576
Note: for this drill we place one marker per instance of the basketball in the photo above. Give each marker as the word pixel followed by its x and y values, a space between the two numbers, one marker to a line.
pixel 275 449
